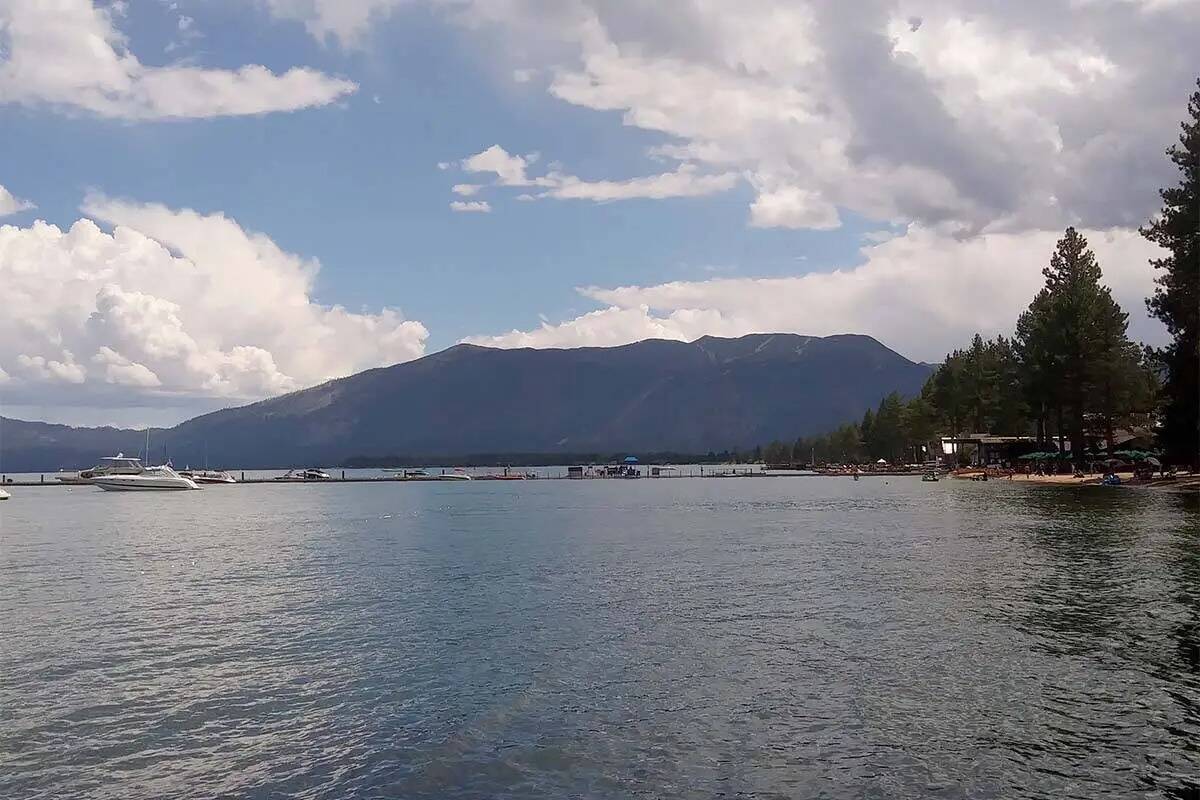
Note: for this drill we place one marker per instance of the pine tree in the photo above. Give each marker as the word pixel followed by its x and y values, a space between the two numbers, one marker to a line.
pixel 1009 410
pixel 1116 375
pixel 920 425
pixel 865 429
pixel 975 382
pixel 1035 345
pixel 1073 284
pixel 1176 299
pixel 944 391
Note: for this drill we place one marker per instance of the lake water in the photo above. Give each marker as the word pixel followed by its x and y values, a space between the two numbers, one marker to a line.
pixel 755 637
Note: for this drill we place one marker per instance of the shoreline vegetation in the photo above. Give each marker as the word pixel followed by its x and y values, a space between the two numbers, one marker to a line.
pixel 1069 377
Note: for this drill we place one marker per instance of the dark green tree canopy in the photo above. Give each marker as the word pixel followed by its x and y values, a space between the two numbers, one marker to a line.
pixel 1176 299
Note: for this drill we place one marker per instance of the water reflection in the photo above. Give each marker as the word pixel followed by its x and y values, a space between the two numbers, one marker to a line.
pixel 1110 585
pixel 770 638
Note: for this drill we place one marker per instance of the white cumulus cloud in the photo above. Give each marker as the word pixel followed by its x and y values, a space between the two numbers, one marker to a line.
pixel 970 115
pixel 346 21
pixel 10 205
pixel 509 169
pixel 476 206
pixel 512 170
pixel 69 54
pixel 683 182
pixel 173 304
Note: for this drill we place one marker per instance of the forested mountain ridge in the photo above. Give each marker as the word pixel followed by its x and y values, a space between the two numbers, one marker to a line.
pixel 655 395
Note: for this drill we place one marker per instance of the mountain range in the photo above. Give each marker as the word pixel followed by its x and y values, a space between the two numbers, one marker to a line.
pixel 655 395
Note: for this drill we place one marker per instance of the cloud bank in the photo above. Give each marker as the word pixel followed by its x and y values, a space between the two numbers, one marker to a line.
pixel 922 294
pixel 172 304
pixel 512 171
pixel 69 54
pixel 10 205
pixel 967 115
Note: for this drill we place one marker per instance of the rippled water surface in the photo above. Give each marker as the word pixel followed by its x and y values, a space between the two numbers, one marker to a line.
pixel 787 637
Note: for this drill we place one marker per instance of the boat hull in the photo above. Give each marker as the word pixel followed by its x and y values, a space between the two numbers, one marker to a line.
pixel 209 477
pixel 139 484
pixel 143 487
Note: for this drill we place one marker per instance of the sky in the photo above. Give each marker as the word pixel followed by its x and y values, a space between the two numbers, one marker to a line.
pixel 208 202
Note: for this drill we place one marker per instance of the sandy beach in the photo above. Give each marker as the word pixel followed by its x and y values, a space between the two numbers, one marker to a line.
pixel 1184 482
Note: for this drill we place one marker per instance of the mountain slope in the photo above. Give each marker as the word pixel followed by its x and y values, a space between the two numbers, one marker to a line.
pixel 710 394
pixel 44 447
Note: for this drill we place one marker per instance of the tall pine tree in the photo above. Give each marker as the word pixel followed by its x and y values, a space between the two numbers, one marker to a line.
pixel 1073 284
pixel 1034 342
pixel 1176 300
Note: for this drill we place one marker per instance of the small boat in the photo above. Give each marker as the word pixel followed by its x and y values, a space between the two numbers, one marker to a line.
pixel 414 475
pixel 457 475
pixel 930 476
pixel 149 479
pixel 119 464
pixel 310 474
pixel 4 495
pixel 208 475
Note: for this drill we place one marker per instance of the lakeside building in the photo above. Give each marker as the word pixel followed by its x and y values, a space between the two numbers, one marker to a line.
pixel 985 449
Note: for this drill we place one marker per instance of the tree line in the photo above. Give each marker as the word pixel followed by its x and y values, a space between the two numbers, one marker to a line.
pixel 1069 372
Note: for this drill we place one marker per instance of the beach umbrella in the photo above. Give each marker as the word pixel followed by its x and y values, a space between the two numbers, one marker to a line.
pixel 631 459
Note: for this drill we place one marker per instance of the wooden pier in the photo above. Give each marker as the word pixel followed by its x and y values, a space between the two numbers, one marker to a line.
pixel 50 479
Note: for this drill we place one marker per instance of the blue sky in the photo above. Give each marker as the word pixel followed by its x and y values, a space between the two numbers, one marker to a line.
pixel 357 186
pixel 799 169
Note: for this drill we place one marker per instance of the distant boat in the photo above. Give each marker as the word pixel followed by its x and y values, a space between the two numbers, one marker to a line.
pixel 149 479
pixel 119 464
pixel 208 475
pixel 4 495
pixel 457 475
pixel 310 474
pixel 930 476
pixel 413 475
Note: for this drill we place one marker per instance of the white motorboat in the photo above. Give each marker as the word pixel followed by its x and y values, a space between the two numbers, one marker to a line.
pixel 149 479
pixel 4 495
pixel 208 475
pixel 119 464
pixel 414 475
pixel 304 475
pixel 457 475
